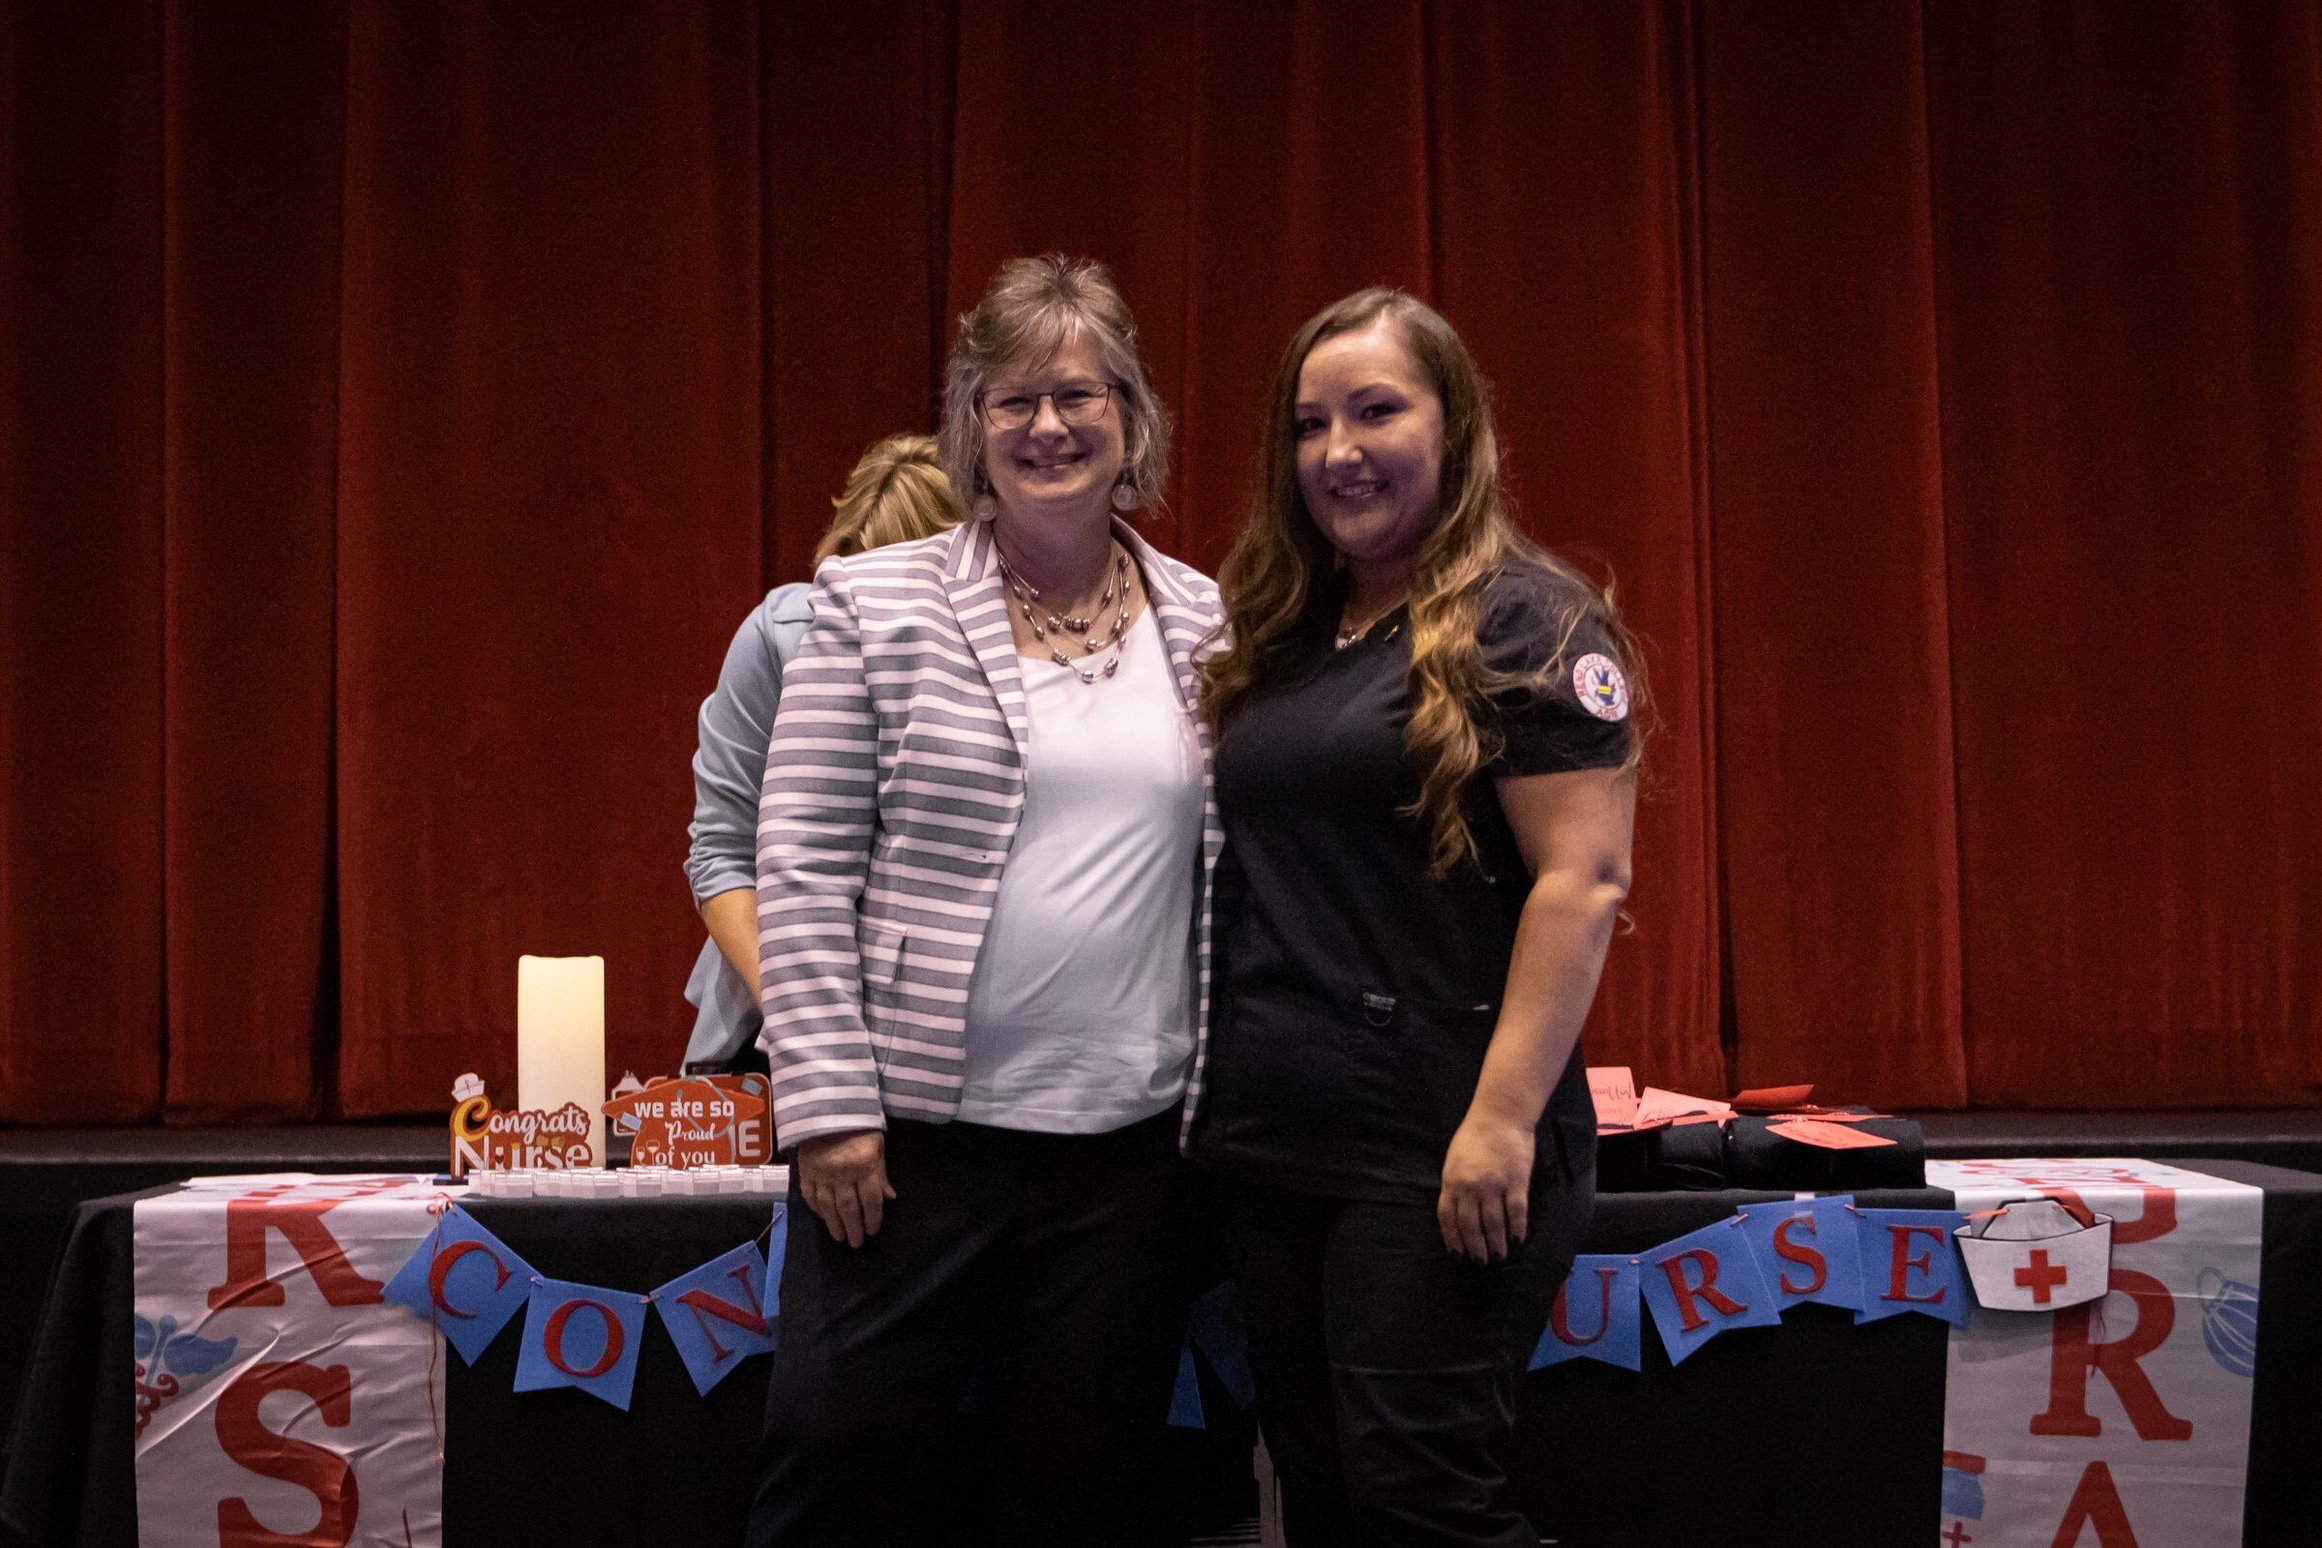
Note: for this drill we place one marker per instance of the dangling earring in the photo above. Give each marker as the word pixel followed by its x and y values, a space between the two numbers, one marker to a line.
pixel 987 508
pixel 1125 496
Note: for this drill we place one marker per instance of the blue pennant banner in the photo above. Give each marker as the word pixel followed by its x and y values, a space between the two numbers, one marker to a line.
pixel 777 1254
pixel 1808 1250
pixel 1596 1316
pixel 1185 1403
pixel 1216 1330
pixel 716 1314
pixel 463 1280
pixel 1704 1283
pixel 1911 1264
pixel 581 1336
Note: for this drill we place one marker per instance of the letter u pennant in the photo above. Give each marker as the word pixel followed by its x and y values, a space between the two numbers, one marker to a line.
pixel 717 1315
pixel 1703 1283
pixel 1595 1316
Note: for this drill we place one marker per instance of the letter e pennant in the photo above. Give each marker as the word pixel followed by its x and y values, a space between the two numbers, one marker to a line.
pixel 1911 1264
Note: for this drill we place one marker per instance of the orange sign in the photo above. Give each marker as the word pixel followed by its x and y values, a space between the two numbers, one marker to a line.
pixel 486 1140
pixel 693 1120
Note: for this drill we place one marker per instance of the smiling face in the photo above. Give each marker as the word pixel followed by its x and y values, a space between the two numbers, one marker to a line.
pixel 1048 465
pixel 1370 445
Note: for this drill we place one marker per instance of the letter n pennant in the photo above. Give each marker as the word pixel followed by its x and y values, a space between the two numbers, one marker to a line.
pixel 1703 1283
pixel 717 1316
pixel 464 1281
pixel 581 1336
pixel 1596 1316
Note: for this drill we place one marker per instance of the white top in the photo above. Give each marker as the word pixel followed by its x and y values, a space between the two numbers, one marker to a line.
pixel 1081 1014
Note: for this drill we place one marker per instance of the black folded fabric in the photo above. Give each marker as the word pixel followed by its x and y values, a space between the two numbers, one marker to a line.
pixel 1744 1153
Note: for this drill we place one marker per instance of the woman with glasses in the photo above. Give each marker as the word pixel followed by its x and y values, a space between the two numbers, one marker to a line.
pixel 1426 769
pixel 897 492
pixel 985 841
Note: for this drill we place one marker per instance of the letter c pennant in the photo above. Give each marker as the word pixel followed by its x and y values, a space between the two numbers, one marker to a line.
pixel 1596 1316
pixel 464 1281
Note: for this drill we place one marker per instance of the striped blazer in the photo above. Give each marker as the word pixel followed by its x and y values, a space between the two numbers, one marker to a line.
pixel 894 784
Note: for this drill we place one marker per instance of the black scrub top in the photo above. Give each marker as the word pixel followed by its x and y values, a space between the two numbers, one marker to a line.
pixel 1357 989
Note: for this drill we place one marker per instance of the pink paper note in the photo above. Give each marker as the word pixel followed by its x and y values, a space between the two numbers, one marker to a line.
pixel 1828 1136
pixel 1771 1099
pixel 1656 1106
pixel 1614 1090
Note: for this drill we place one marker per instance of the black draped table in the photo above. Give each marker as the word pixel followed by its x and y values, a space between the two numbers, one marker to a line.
pixel 1821 1431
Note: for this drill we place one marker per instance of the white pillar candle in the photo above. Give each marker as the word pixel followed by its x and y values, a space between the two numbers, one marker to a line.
pixel 560 1039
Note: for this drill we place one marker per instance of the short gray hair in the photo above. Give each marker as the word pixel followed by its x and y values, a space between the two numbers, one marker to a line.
pixel 1032 309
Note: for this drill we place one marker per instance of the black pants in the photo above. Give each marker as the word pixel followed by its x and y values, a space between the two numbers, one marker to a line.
pixel 1387 1367
pixel 1039 1275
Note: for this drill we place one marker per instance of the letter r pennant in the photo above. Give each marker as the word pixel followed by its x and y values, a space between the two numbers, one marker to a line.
pixel 1703 1283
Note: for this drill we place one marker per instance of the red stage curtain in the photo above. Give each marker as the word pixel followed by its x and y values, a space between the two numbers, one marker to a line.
pixel 2129 243
pixel 400 406
pixel 1834 790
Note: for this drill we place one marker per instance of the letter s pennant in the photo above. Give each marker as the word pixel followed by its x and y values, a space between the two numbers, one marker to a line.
pixel 1809 1250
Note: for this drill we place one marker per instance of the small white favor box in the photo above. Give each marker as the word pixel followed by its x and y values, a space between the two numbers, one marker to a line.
pixel 2035 1255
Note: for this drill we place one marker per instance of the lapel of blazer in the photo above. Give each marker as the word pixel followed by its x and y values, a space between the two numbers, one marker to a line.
pixel 971 578
pixel 1183 624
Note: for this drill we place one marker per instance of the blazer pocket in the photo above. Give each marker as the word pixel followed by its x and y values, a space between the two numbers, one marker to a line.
pixel 881 947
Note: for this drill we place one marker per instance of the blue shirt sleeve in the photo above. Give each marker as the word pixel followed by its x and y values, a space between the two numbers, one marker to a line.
pixel 729 761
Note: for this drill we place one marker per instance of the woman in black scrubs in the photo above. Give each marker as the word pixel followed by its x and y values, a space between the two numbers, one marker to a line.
pixel 1426 770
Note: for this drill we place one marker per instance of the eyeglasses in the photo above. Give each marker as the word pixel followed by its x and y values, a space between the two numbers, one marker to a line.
pixel 1077 403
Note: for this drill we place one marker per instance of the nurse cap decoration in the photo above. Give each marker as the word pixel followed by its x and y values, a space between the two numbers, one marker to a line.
pixel 2037 1255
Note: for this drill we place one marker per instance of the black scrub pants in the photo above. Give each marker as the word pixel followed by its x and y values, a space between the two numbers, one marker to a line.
pixel 1041 1276
pixel 1387 1367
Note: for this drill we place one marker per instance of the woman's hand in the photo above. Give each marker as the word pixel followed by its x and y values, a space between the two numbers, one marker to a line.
pixel 1487 1173
pixel 843 1179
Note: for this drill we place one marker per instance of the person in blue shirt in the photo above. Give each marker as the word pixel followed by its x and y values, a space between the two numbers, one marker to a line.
pixel 896 493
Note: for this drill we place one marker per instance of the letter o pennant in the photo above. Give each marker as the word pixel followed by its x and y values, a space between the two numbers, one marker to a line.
pixel 581 1336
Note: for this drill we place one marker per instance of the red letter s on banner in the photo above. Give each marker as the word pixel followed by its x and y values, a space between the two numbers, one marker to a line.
pixel 323 1473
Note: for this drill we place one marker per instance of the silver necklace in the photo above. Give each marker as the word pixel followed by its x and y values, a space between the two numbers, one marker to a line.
pixel 1349 633
pixel 1055 629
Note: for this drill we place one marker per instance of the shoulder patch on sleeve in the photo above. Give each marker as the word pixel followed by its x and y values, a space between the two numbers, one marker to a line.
pixel 1599 686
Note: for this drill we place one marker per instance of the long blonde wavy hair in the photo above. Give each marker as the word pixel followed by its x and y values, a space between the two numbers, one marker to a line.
pixel 1281 558
pixel 897 492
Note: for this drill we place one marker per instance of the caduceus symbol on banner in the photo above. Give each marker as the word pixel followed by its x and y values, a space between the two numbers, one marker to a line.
pixel 163 1354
